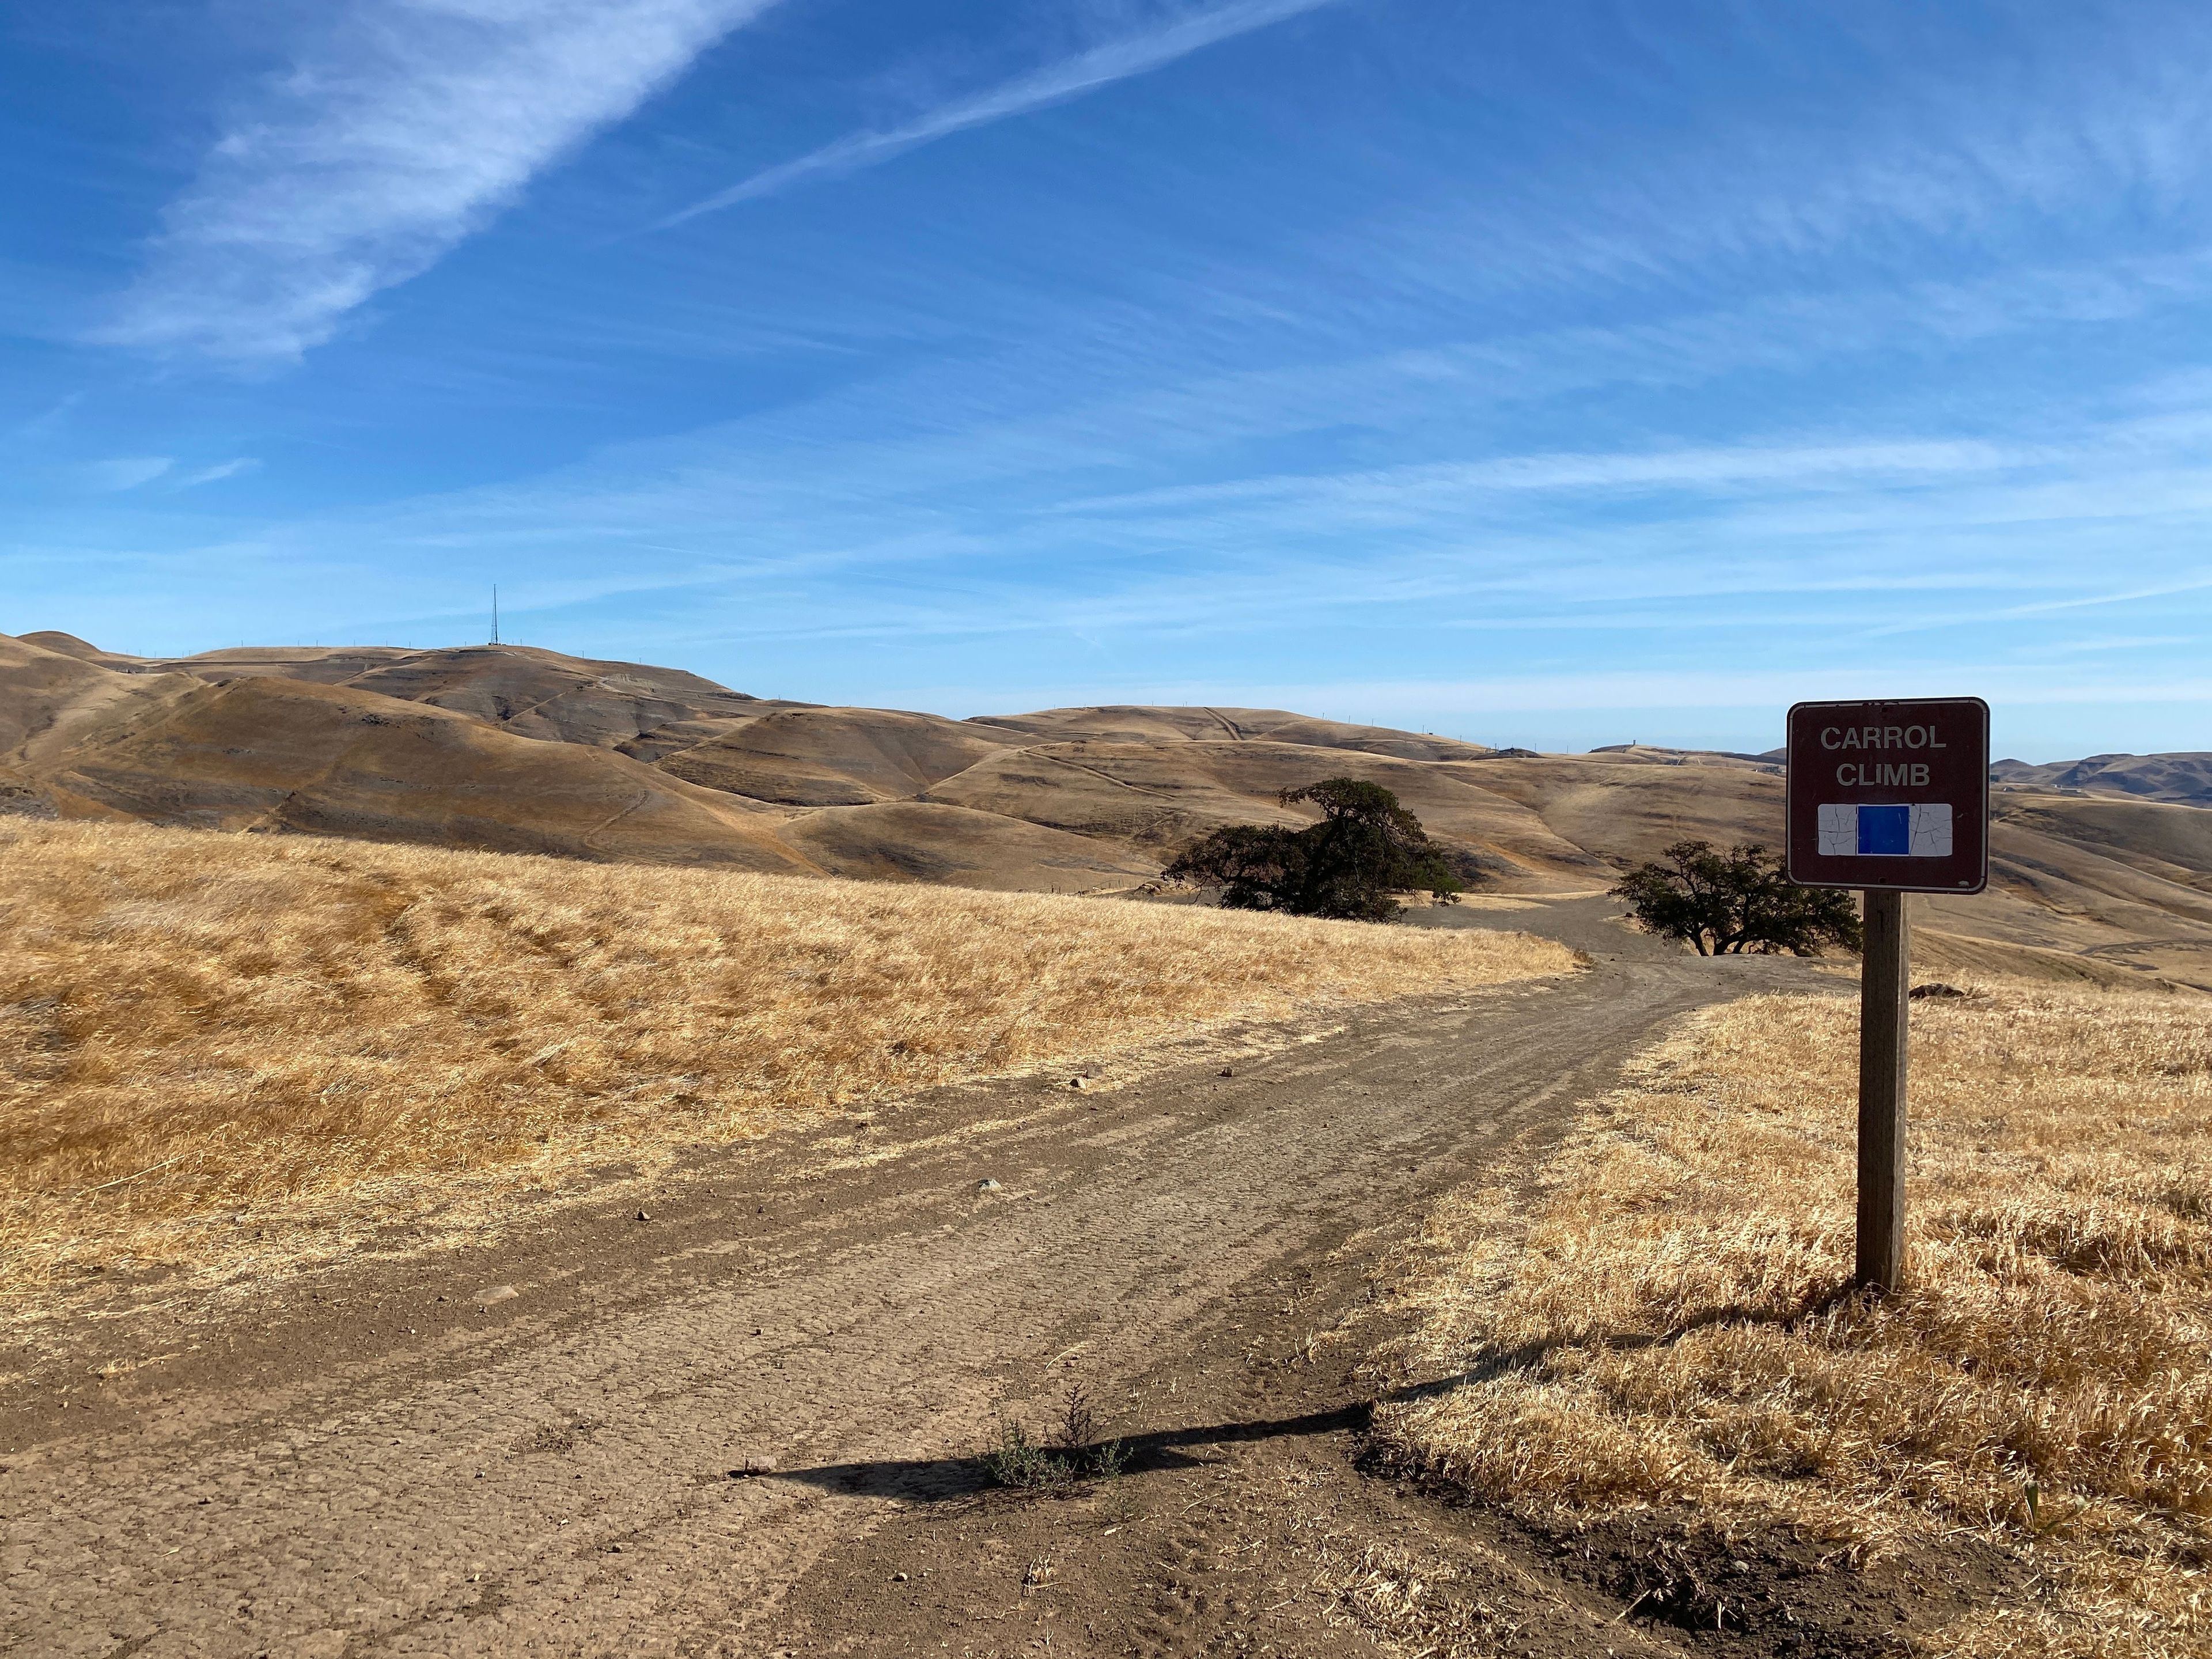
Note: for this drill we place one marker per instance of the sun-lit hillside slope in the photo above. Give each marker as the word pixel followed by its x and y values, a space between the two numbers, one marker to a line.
pixel 953 846
pixel 68 645
pixel 205 1035
pixel 508 747
pixel 837 756
pixel 1131 724
pixel 1158 797
pixel 529 692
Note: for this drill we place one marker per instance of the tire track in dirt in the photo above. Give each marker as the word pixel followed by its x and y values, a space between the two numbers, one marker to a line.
pixel 375 1464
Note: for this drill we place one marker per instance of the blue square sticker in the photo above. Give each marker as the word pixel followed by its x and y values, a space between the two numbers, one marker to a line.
pixel 1886 832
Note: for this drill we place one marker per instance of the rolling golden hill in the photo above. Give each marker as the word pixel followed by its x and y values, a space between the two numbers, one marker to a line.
pixel 2105 874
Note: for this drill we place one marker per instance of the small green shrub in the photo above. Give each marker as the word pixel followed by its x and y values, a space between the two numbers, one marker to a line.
pixel 1024 1465
pixel 1019 1463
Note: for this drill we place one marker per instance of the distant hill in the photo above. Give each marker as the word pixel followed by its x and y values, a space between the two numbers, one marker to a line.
pixel 258 751
pixel 2185 778
pixel 510 748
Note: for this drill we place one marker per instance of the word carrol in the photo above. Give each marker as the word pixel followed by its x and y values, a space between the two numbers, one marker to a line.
pixel 1880 737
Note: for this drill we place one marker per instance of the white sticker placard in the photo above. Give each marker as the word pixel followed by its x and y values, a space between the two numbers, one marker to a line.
pixel 1861 829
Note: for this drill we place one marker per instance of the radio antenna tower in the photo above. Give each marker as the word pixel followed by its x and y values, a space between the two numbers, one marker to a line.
pixel 495 613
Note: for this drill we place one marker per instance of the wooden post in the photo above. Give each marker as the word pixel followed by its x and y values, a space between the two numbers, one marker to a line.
pixel 1885 991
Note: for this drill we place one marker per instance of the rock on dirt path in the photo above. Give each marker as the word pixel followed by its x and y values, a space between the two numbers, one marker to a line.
pixel 629 1453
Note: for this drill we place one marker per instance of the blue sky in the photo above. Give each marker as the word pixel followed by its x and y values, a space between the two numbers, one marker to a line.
pixel 1555 375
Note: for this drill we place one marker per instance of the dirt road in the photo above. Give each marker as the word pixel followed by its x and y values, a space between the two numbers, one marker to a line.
pixel 407 1458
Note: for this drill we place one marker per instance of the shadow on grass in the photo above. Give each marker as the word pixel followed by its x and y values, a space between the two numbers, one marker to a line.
pixel 1530 1356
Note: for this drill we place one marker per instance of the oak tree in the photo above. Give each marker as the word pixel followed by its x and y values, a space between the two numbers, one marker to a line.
pixel 1365 849
pixel 1729 902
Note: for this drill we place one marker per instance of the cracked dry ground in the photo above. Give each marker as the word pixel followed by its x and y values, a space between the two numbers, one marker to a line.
pixel 375 1459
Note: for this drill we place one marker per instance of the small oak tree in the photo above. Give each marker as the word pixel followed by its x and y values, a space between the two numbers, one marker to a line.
pixel 1726 903
pixel 1366 848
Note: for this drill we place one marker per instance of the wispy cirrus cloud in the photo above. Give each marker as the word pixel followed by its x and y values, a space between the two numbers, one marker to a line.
pixel 126 471
pixel 1101 65
pixel 401 127
pixel 1712 468
pixel 217 473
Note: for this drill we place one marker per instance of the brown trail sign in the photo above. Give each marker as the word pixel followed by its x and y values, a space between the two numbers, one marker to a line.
pixel 1890 797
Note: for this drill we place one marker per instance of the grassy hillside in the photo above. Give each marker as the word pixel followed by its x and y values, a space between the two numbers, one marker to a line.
pixel 1662 1323
pixel 206 1036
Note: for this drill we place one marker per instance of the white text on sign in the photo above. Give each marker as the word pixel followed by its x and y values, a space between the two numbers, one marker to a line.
pixel 1897 774
pixel 1880 737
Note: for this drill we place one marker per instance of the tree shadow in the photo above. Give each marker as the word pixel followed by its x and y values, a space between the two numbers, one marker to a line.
pixel 942 1479
pixel 945 1479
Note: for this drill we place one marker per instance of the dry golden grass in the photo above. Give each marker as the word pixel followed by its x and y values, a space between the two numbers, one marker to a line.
pixel 1659 1320
pixel 203 1037
pixel 1938 955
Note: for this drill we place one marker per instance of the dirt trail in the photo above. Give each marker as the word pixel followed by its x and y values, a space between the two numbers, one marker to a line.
pixel 378 1460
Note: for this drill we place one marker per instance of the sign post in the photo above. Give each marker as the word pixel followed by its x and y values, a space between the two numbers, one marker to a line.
pixel 1890 797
